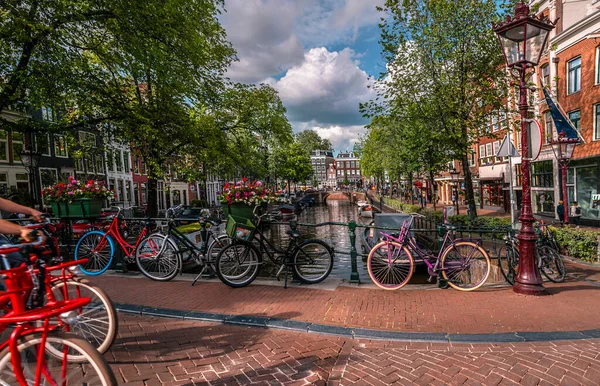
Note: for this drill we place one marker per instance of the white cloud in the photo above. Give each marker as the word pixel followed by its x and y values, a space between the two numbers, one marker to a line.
pixel 270 36
pixel 327 87
pixel 342 137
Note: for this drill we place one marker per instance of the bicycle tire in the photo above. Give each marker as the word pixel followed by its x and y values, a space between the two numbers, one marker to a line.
pixel 218 243
pixel 306 257
pixel 388 274
pixel 508 261
pixel 96 322
pixel 94 371
pixel 455 257
pixel 239 254
pixel 157 263
pixel 552 267
pixel 98 260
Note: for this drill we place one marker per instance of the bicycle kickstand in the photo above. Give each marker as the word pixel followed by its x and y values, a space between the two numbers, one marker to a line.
pixel 198 276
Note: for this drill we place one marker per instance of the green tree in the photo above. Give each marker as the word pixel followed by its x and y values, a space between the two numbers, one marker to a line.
pixel 444 60
pixel 310 141
pixel 291 163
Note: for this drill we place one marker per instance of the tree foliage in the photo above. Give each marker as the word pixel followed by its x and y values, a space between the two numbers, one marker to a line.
pixel 445 79
pixel 310 141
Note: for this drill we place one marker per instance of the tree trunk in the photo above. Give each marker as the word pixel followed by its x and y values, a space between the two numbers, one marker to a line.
pixel 410 189
pixel 433 188
pixel 152 196
pixel 472 209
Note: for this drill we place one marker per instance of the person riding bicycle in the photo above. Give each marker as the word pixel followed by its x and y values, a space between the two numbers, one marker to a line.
pixel 11 228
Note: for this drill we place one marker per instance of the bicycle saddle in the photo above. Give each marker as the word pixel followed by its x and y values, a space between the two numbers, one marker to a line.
pixel 293 233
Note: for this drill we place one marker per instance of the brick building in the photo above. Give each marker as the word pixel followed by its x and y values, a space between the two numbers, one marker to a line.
pixel 347 166
pixel 320 161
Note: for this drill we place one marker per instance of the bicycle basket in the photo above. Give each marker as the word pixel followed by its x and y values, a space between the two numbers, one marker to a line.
pixel 239 228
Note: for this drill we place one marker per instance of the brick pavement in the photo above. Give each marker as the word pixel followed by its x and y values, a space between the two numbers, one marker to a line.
pixel 154 351
pixel 574 305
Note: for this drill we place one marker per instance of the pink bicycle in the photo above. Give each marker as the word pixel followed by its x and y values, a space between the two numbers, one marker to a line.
pixel 463 263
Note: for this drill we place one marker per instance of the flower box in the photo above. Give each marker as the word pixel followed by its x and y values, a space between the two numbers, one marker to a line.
pixel 241 210
pixel 85 207
pixel 75 199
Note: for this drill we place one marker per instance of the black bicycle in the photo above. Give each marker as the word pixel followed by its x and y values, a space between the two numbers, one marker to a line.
pixel 238 264
pixel 160 255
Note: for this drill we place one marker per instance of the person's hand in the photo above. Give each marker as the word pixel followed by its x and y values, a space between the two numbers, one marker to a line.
pixel 37 215
pixel 26 234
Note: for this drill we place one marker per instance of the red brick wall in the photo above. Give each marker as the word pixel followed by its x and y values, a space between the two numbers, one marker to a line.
pixel 585 99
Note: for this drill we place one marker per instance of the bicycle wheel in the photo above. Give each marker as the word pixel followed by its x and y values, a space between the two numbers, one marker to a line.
pixel 238 264
pixel 57 370
pixel 96 322
pixel 313 261
pixel 390 265
pixel 551 264
pixel 217 244
pixel 465 266
pixel 157 257
pixel 98 248
pixel 508 261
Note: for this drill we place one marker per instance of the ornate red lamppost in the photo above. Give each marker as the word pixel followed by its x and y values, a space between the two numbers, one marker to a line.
pixel 563 149
pixel 523 38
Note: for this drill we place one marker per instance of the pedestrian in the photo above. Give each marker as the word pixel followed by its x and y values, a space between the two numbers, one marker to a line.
pixel 575 214
pixel 560 211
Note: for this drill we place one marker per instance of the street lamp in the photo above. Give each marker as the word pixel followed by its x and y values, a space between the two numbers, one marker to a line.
pixel 563 149
pixel 31 160
pixel 455 174
pixel 523 38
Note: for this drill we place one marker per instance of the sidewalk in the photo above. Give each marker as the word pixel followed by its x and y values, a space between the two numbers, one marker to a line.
pixel 570 306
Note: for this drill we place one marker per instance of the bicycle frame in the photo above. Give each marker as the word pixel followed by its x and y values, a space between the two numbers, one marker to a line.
pixel 115 233
pixel 265 246
pixel 432 268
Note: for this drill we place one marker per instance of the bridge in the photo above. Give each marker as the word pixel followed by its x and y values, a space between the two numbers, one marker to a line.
pixel 322 197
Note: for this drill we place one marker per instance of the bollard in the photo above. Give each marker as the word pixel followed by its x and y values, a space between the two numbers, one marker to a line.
pixel 354 278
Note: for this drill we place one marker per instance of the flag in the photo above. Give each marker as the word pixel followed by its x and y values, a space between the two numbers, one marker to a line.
pixel 561 123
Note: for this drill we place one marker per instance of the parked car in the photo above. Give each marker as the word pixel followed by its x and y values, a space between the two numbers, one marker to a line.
pixel 190 215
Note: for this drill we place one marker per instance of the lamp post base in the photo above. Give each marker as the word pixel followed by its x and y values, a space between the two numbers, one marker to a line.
pixel 529 289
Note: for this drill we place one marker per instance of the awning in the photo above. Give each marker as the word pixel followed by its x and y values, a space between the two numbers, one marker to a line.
pixel 419 184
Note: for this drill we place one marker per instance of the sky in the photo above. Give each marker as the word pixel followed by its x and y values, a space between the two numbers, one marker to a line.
pixel 320 55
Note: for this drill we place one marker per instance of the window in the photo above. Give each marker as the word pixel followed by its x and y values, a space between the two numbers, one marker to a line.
pixel 503 122
pixel 144 194
pixel 110 160
pixel 542 174
pixel 99 164
pixel 358 172
pixel 47 114
pixel 48 177
pixel 60 146
pixel 518 175
pixel 144 168
pixel 575 117
pixel 119 155
pixel 358 164
pixel 42 143
pixel 472 159
pixel 79 165
pixel 87 140
pixel 136 165
pixel 546 75
pixel 496 146
pixel 598 65
pixel 22 181
pixel 574 75
pixel 548 127
pixel 596 124
pixel 347 164
pixel 3 184
pixel 495 122
pixel 3 145
pixel 488 150
pixel 17 145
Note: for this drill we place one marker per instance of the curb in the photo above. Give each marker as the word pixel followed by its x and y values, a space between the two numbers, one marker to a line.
pixel 356 333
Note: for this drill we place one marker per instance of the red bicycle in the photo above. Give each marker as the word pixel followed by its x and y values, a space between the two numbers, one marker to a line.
pixel 98 247
pixel 36 354
pixel 97 322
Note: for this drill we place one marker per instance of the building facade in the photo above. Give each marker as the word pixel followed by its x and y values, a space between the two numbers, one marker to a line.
pixel 347 166
pixel 320 161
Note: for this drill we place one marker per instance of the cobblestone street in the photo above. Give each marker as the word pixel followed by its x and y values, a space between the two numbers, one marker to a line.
pixel 160 351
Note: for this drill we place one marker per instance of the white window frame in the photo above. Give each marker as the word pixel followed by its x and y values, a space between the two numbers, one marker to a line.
pixel 481 151
pixel 548 127
pixel 596 122
pixel 5 142
pixel 488 150
pixel 495 147
pixel 58 137
pixel 569 79
pixel 597 74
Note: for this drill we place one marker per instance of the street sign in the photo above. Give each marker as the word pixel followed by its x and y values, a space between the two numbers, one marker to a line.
pixel 535 140
pixel 507 149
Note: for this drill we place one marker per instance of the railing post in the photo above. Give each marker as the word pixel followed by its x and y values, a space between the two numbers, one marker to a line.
pixel 354 278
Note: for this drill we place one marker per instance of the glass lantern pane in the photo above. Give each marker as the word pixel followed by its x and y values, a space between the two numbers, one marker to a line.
pixel 512 44
pixel 536 39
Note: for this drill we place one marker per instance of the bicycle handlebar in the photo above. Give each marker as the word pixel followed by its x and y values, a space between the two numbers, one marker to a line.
pixel 10 248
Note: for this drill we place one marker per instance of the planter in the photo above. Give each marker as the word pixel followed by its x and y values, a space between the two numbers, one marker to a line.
pixel 241 210
pixel 59 209
pixel 85 207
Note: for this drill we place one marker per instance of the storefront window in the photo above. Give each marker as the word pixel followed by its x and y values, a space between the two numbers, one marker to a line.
pixel 542 174
pixel 518 175
pixel 587 180
pixel 543 201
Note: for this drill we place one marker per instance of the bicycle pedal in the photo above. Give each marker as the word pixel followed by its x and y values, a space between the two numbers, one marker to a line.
pixel 429 279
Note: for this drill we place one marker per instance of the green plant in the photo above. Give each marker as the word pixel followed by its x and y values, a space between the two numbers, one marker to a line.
pixel 464 220
pixel 578 243
pixel 199 203
pixel 72 190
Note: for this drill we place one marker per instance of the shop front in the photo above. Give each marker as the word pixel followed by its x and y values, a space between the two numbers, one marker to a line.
pixel 491 185
pixel 583 182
